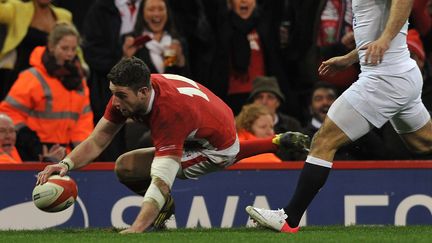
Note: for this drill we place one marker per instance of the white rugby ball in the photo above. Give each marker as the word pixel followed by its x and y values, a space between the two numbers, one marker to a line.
pixel 56 195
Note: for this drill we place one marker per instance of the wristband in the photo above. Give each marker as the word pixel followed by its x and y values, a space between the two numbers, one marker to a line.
pixel 68 162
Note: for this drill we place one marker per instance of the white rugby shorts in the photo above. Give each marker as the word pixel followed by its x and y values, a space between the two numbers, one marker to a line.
pixel 195 163
pixel 380 98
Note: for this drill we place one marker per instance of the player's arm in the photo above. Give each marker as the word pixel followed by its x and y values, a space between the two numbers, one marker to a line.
pixel 399 13
pixel 163 172
pixel 335 64
pixel 85 152
pixel 93 146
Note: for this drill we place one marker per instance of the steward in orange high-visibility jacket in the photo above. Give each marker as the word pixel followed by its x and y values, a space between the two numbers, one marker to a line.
pixel 42 102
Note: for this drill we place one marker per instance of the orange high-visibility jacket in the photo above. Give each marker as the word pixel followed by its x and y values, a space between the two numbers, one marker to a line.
pixel 40 102
pixel 12 158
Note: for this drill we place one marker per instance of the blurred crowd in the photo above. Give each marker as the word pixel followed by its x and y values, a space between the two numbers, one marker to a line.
pixel 260 56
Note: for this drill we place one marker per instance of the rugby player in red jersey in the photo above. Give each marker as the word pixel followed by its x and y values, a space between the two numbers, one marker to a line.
pixel 193 133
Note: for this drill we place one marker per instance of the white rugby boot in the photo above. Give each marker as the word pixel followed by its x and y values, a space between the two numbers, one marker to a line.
pixel 273 219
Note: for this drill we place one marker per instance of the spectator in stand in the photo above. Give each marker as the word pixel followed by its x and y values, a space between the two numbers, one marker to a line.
pixel 164 50
pixel 322 97
pixel 49 103
pixel 8 151
pixel 107 24
pixel 28 25
pixel 246 49
pixel 266 92
pixel 254 122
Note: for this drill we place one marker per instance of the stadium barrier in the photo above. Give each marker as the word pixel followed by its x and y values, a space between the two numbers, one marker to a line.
pixel 366 192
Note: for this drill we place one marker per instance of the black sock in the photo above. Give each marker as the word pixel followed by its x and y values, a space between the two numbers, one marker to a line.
pixel 312 178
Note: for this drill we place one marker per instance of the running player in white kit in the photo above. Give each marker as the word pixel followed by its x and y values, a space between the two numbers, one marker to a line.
pixel 388 89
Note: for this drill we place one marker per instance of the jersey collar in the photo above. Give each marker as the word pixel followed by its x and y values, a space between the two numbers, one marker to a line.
pixel 150 105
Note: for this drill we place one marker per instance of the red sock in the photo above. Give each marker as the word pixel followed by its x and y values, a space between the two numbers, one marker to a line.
pixel 250 148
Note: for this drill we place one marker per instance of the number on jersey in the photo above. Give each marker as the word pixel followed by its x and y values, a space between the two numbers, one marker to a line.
pixel 190 91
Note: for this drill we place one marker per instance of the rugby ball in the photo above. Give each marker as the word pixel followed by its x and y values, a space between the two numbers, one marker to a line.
pixel 56 195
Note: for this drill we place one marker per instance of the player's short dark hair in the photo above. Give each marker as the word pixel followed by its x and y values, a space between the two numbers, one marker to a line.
pixel 130 72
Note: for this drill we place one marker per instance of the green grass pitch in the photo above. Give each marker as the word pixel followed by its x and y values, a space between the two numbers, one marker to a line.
pixel 307 234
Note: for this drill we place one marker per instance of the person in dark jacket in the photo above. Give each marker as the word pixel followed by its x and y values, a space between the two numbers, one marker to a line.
pixel 368 147
pixel 246 48
pixel 107 22
pixel 266 92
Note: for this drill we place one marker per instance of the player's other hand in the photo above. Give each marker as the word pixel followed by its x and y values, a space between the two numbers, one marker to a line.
pixel 375 51
pixel 333 65
pixel 43 176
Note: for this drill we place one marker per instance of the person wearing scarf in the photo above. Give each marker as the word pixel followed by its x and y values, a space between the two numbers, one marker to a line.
pixel 49 103
pixel 163 41
pixel 70 73
pixel 246 55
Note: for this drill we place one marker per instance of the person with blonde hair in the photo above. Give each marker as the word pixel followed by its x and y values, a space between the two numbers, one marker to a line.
pixel 255 121
pixel 28 24
pixel 49 103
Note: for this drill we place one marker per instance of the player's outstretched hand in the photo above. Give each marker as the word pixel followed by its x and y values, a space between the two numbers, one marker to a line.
pixel 43 176
pixel 333 65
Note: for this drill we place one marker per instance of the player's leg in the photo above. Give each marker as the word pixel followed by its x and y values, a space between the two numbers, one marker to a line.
pixel 133 169
pixel 312 178
pixel 254 147
pixel 415 128
pixel 420 141
pixel 315 170
pixel 287 141
pixel 413 121
pixel 343 124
